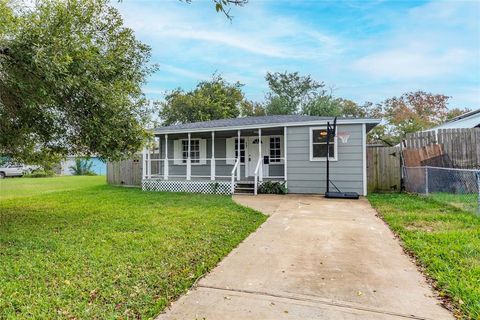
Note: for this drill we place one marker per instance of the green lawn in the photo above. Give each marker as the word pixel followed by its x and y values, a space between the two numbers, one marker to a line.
pixel 444 239
pixel 467 202
pixel 76 248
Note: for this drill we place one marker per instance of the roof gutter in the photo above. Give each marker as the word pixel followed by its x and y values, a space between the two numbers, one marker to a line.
pixel 269 125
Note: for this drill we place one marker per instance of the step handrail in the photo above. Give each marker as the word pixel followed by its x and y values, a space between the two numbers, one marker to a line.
pixel 257 169
pixel 235 167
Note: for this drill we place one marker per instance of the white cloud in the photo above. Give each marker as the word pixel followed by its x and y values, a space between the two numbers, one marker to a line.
pixel 257 32
pixel 370 52
pixel 433 41
pixel 183 72
pixel 409 63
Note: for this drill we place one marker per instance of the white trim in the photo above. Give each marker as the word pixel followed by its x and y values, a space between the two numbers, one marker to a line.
pixel 285 153
pixel 271 125
pixel 149 163
pixel 212 158
pixel 282 151
pixel 144 163
pixel 178 160
pixel 364 158
pixel 260 157
pixel 335 146
pixel 189 152
pixel 239 155
pixel 165 166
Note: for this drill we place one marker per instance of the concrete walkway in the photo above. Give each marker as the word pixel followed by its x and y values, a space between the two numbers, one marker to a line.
pixel 314 258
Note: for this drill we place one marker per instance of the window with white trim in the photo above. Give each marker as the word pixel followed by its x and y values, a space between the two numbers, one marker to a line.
pixel 318 145
pixel 275 150
pixel 242 149
pixel 194 151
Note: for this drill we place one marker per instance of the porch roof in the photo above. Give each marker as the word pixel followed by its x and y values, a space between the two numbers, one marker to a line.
pixel 260 122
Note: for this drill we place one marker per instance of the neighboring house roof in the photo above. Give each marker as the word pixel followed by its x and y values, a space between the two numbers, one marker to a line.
pixel 261 122
pixel 467 120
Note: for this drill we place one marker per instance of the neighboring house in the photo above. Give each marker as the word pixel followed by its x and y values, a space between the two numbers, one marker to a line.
pixel 465 121
pixel 223 156
pixel 99 167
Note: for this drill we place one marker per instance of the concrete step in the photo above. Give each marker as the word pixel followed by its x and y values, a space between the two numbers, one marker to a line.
pixel 244 190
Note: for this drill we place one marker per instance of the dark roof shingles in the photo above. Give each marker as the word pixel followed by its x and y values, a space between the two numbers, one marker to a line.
pixel 236 122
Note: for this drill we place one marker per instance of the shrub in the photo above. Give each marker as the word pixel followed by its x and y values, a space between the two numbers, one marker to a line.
pixel 40 173
pixel 273 187
pixel 82 168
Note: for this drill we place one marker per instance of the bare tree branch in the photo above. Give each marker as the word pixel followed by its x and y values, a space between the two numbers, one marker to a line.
pixel 224 6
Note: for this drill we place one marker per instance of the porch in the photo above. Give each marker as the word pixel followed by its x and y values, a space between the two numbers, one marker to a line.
pixel 215 161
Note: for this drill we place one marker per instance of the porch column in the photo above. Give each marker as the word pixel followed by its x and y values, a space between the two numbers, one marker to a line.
pixel 159 172
pixel 144 163
pixel 149 163
pixel 189 162
pixel 212 160
pixel 165 166
pixel 285 153
pixel 260 170
pixel 238 155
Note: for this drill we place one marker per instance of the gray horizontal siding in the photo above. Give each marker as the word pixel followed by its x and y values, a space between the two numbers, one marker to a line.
pixel 305 176
pixel 221 167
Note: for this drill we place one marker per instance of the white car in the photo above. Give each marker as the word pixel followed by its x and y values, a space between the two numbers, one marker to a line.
pixel 12 170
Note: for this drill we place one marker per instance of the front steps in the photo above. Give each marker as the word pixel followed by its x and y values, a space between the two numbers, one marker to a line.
pixel 245 187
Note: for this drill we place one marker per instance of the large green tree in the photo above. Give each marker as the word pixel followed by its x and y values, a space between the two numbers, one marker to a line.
pixel 290 92
pixel 70 81
pixel 210 100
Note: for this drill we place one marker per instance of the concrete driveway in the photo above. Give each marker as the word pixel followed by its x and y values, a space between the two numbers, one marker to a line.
pixel 314 258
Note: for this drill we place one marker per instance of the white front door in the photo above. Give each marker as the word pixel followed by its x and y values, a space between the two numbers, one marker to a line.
pixel 252 155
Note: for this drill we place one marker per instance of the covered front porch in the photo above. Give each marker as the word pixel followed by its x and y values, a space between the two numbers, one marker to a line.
pixel 215 161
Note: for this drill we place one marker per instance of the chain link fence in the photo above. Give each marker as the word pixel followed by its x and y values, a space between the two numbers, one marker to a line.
pixel 456 187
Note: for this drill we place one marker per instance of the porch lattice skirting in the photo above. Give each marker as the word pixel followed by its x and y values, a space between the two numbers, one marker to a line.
pixel 218 187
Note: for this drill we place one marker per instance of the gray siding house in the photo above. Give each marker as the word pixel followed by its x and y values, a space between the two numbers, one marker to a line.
pixel 231 155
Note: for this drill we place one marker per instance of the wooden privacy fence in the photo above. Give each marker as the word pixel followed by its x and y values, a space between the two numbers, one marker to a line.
pixel 383 169
pixel 126 172
pixel 461 146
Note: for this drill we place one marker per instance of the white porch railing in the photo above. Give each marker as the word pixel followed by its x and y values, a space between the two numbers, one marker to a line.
pixel 237 168
pixel 258 172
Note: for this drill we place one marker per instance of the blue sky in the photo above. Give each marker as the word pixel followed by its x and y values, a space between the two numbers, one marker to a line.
pixel 364 51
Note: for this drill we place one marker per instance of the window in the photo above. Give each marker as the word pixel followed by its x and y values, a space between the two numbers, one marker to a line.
pixel 318 145
pixel 275 150
pixel 242 149
pixel 194 151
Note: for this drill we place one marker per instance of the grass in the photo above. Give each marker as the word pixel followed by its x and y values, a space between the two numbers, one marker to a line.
pixel 444 239
pixel 466 202
pixel 16 187
pixel 76 248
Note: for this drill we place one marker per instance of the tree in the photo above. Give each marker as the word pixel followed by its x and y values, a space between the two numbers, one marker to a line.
pixel 414 111
pixel 224 6
pixel 290 92
pixel 251 109
pixel 324 105
pixel 70 81
pixel 210 100
pixel 455 112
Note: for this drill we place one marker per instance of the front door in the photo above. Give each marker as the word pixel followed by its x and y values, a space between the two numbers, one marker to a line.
pixel 253 155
